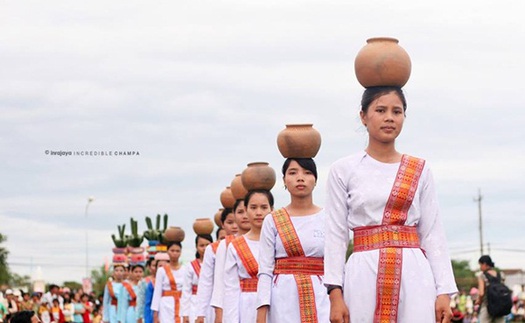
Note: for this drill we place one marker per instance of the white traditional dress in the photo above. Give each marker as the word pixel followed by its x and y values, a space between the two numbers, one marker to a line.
pixel 410 256
pixel 205 286
pixel 112 292
pixel 240 281
pixel 218 281
pixel 167 294
pixel 189 290
pixel 288 300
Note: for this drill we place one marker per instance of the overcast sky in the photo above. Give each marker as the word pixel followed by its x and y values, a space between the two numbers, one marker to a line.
pixel 198 89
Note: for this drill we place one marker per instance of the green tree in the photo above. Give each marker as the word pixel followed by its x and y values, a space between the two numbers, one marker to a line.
pixel 99 277
pixel 4 268
pixel 465 277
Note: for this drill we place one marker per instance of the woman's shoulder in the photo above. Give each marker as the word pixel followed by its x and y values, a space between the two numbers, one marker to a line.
pixel 349 160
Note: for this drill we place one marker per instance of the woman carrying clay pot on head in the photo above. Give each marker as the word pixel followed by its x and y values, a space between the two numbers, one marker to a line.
pixel 112 292
pixel 241 268
pixel 291 248
pixel 207 277
pixel 400 270
pixel 243 226
pixel 127 309
pixel 166 302
pixel 191 281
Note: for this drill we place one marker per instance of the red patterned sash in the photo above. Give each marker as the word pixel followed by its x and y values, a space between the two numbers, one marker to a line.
pixel 132 295
pixel 249 262
pixel 292 245
pixel 390 264
pixel 173 292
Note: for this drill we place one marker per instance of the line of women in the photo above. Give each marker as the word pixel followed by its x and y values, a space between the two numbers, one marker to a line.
pixel 290 264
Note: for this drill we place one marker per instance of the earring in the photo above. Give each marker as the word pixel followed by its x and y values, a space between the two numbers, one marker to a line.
pixel 285 188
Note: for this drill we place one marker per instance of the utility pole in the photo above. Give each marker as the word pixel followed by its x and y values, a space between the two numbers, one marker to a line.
pixel 90 199
pixel 478 199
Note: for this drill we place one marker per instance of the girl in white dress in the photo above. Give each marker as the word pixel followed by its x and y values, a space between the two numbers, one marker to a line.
pixel 241 268
pixel 191 281
pixel 166 302
pixel 291 253
pixel 400 270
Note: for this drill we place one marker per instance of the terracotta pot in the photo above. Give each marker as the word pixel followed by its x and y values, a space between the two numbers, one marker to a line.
pixel 203 226
pixel 258 176
pixel 299 141
pixel 382 62
pixel 217 218
pixel 238 190
pixel 174 234
pixel 227 199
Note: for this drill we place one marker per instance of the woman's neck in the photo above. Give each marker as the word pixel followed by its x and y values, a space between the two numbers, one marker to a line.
pixel 254 234
pixel 174 264
pixel 241 231
pixel 385 153
pixel 302 206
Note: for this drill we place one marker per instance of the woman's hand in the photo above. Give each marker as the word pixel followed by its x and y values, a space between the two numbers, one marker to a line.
pixel 185 319
pixel 218 315
pixel 262 312
pixel 200 319
pixel 443 310
pixel 338 311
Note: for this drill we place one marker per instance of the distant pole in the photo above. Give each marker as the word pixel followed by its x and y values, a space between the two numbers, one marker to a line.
pixel 90 199
pixel 478 199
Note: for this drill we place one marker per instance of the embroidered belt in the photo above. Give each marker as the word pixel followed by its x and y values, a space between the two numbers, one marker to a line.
pixel 385 236
pixel 171 293
pixel 249 285
pixel 299 265
pixel 133 303
pixel 194 289
pixel 114 301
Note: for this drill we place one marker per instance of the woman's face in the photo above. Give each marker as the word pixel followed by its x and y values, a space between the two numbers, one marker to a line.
pixel 174 253
pixel 153 268
pixel 299 181
pixel 161 263
pixel 222 234
pixel 258 207
pixel 229 225
pixel 201 246
pixel 241 219
pixel 384 118
pixel 118 273
pixel 137 273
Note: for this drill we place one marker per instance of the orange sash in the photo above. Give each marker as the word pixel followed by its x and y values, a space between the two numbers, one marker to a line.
pixel 292 245
pixel 390 264
pixel 215 245
pixel 132 295
pixel 173 292
pixel 197 268
pixel 111 291
pixel 249 262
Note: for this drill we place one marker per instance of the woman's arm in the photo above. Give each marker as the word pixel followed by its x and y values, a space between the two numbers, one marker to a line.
pixel 232 290
pixel 266 262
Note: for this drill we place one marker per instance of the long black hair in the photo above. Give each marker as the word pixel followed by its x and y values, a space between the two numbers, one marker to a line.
pixel 306 163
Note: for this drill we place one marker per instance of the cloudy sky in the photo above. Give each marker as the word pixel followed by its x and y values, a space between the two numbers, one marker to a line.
pixel 198 89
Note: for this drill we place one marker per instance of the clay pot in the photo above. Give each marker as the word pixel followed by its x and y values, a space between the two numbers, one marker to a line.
pixel 258 176
pixel 299 141
pixel 217 218
pixel 203 226
pixel 382 62
pixel 238 190
pixel 174 234
pixel 227 199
